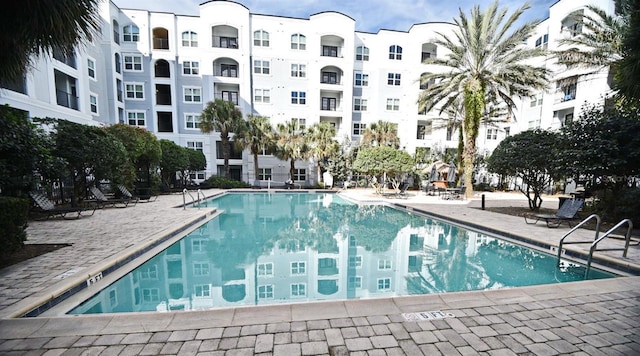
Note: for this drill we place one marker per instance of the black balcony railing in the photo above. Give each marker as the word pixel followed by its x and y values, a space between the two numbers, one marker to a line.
pixel 66 99
pixel 160 43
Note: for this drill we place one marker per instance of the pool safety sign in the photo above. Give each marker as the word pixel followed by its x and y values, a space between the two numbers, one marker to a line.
pixel 428 315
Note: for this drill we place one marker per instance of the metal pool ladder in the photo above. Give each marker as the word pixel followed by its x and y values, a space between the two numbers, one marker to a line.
pixel 199 193
pixel 596 239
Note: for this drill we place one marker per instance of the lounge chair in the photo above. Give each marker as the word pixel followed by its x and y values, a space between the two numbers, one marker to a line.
pixel 102 201
pixel 403 189
pixel 134 198
pixel 567 213
pixel 47 208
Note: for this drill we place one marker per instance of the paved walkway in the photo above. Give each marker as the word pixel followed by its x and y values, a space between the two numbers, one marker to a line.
pixel 582 318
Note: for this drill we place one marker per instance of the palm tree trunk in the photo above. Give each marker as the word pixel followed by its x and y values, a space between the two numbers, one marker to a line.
pixel 293 168
pixel 225 154
pixel 473 107
pixel 255 165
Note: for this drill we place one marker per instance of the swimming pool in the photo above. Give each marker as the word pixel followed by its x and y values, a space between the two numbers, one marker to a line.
pixel 268 248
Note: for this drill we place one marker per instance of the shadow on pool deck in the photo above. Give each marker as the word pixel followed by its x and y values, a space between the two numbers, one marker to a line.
pixel 591 316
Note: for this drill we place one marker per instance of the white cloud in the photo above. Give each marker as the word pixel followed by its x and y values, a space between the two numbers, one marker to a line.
pixel 370 16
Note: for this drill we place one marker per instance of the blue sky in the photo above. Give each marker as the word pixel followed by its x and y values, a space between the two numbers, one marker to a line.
pixel 370 16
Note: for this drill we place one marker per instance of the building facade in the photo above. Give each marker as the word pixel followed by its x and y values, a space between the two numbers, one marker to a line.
pixel 158 70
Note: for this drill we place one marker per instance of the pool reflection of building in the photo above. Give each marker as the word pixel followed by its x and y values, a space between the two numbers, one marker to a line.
pixel 233 273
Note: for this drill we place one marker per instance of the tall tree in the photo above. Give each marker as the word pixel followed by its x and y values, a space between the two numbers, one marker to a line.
pixel 222 116
pixel 143 150
pixel 32 27
pixel 291 144
pixel 629 66
pixel 257 135
pixel 322 144
pixel 381 133
pixel 487 63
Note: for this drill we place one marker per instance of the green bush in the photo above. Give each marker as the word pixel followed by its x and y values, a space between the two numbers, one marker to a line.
pixel 225 183
pixel 14 214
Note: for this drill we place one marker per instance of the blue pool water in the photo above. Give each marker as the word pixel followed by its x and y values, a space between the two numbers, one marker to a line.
pixel 293 247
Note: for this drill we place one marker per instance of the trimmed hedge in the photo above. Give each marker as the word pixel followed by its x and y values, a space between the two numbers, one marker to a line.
pixel 225 183
pixel 14 215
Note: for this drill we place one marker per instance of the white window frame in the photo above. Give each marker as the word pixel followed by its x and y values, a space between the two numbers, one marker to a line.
pixel 192 121
pixel 136 88
pixel 393 104
pixel 355 261
pixel 386 286
pixel 191 39
pixel 261 66
pixel 360 79
pixel 298 70
pixel 492 134
pixel 137 118
pixel 298 42
pixel 262 96
pixel 298 268
pixel 265 291
pixel 393 79
pixel 191 95
pixel 261 37
pixel 91 68
pixel 150 295
pixel 149 273
pixel 93 102
pixel 300 97
pixel 198 245
pixel 360 128
pixel 195 145
pixel 134 36
pixel 265 269
pixel 395 52
pixel 354 282
pixel 202 290
pixel 113 298
pixel 201 268
pixel 132 63
pixel 300 121
pixel 359 104
pixel 362 53
pixel 191 68
pixel 298 290
pixel 384 264
pixel 299 174
pixel 265 174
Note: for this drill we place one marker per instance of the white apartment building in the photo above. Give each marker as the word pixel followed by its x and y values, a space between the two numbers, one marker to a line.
pixel 158 70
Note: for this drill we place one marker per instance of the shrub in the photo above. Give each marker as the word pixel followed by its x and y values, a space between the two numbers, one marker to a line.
pixel 225 183
pixel 14 214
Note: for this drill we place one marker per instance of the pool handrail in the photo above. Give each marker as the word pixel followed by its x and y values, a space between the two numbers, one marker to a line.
pixel 606 234
pixel 561 242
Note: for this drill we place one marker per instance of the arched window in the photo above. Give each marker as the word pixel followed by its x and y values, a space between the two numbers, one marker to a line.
pixel 130 33
pixel 162 69
pixel 362 53
pixel 189 39
pixel 395 52
pixel 299 42
pixel 116 32
pixel 261 38
pixel 160 38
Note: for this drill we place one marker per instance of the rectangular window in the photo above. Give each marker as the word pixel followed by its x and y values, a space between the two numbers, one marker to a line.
pixel 192 95
pixel 136 118
pixel 229 70
pixel 358 128
pixel 359 104
pixel 361 80
pixel 113 298
pixel 262 96
pixel 355 261
pixel 492 134
pixel 299 97
pixel 134 91
pixel 133 63
pixel 302 123
pixel 190 68
pixel 265 269
pixel 91 68
pixel 393 104
pixel 329 78
pixel 298 268
pixel 150 295
pixel 231 96
pixel 195 145
pixel 261 67
pixel 362 53
pixel 264 173
pixel 384 264
pixel 354 282
pixel 298 70
pixel 192 121
pixel 265 291
pixel 149 273
pixel 384 284
pixel 93 104
pixel 393 79
pixel 298 290
pixel 198 245
pixel 202 290
pixel 200 268
pixel 261 38
pixel 449 136
pixel 299 174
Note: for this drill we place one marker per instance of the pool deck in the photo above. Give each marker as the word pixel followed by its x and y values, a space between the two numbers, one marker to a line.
pixel 583 318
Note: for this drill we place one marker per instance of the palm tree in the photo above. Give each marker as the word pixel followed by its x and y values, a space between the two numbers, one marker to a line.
pixel 486 64
pixel 291 144
pixel 32 27
pixel 257 135
pixel 322 143
pixel 221 116
pixel 382 133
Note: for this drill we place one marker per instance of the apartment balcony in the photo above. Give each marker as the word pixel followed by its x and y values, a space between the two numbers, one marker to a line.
pixel 225 42
pixel 67 100
pixel 231 96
